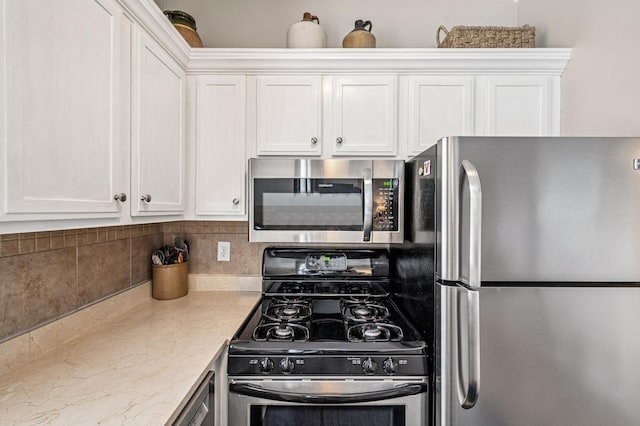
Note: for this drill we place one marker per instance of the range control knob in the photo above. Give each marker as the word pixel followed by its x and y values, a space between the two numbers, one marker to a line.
pixel 369 366
pixel 286 365
pixel 389 366
pixel 265 365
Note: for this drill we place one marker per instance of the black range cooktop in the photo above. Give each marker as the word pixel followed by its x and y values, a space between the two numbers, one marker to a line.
pixel 326 313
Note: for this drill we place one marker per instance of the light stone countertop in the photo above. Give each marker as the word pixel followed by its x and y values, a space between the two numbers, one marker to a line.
pixel 137 368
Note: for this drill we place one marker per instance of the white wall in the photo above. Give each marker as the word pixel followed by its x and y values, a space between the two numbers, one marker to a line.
pixel 396 23
pixel 600 86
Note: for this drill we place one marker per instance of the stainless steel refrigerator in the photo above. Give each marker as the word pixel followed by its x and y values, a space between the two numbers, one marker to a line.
pixel 522 267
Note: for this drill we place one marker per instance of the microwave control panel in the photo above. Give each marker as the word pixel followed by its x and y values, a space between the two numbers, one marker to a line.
pixel 385 204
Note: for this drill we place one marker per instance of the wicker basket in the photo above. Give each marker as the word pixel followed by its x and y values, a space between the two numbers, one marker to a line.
pixel 462 36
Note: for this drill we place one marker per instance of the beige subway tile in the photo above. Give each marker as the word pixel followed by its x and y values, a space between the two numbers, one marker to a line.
pixel 70 240
pixel 112 233
pixel 26 245
pixel 92 235
pixel 228 228
pixel 101 235
pixel 43 242
pixel 82 237
pixel 9 248
pixel 193 228
pixel 8 237
pixel 218 227
pixel 57 242
pixel 57 239
pixel 171 227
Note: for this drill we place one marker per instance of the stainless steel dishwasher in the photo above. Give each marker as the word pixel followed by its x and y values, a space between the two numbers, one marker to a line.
pixel 199 411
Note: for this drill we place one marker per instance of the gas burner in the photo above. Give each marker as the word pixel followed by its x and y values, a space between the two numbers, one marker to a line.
pixel 281 331
pixel 355 311
pixel 374 332
pixel 292 312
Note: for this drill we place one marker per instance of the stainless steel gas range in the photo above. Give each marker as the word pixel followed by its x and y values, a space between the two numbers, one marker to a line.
pixel 327 346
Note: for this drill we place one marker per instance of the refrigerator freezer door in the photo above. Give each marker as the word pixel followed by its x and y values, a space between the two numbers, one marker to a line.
pixel 554 209
pixel 548 356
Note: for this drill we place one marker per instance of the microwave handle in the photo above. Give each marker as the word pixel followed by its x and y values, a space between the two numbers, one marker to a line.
pixel 368 205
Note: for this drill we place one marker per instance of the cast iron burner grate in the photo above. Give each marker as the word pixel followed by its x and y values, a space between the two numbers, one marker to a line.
pixel 353 311
pixel 282 332
pixel 290 312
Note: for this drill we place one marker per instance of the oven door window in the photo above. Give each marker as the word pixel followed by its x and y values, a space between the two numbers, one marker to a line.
pixel 279 415
pixel 308 204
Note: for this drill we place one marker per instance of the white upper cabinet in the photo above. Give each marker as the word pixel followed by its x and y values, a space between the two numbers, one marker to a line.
pixel 108 117
pixel 220 158
pixel 364 116
pixel 158 143
pixel 65 102
pixel 289 115
pixel 518 106
pixel 438 106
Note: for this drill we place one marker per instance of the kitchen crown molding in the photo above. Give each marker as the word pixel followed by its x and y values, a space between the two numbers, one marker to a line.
pixel 399 61
pixel 425 61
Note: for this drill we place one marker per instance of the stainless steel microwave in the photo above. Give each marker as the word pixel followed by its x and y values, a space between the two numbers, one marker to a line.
pixel 326 201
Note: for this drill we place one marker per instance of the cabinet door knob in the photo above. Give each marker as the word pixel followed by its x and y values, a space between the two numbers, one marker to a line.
pixel 122 197
pixel 146 198
pixel 236 201
pixel 339 140
pixel 314 140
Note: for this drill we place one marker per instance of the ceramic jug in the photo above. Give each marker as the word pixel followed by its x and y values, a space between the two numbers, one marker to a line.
pixel 186 26
pixel 307 33
pixel 360 36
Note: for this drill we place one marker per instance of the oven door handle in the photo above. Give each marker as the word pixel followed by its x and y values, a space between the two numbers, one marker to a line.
pixel 274 395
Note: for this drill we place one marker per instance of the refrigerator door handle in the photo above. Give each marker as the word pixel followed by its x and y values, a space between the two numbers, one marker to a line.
pixel 368 205
pixel 469 396
pixel 475 220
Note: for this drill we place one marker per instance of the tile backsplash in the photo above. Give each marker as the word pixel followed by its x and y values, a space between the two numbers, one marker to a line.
pixel 203 238
pixel 48 275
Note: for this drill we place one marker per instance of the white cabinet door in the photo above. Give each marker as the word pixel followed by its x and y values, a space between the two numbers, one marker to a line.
pixel 289 115
pixel 518 106
pixel 438 106
pixel 220 145
pixel 65 104
pixel 364 113
pixel 158 145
